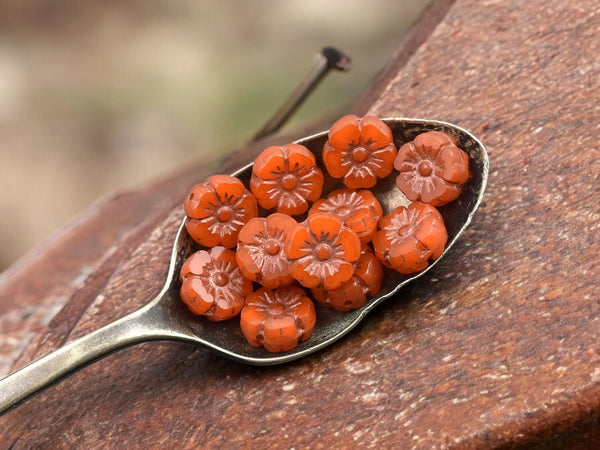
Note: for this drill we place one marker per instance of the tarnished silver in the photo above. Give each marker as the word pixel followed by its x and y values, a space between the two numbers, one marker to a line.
pixel 166 317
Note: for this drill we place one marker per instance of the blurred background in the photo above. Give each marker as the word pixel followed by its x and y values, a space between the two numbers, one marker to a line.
pixel 100 95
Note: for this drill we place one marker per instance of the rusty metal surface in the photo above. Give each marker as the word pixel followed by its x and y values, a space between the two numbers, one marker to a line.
pixel 497 346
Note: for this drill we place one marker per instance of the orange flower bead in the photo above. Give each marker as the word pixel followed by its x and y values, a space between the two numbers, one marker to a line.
pixel 358 210
pixel 409 237
pixel 217 209
pixel 366 281
pixel 432 168
pixel 260 252
pixel 359 150
pixel 278 319
pixel 322 252
pixel 286 178
pixel 212 284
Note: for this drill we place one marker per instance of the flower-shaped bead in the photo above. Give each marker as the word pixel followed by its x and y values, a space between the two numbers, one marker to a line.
pixel 286 178
pixel 217 209
pixel 353 294
pixel 322 252
pixel 432 168
pixel 212 284
pixel 260 252
pixel 278 319
pixel 409 237
pixel 358 210
pixel 359 150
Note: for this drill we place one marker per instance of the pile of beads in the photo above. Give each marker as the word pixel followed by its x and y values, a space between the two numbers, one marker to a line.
pixel 337 251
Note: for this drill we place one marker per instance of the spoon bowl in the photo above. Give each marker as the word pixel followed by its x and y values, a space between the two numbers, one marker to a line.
pixel 167 318
pixel 226 337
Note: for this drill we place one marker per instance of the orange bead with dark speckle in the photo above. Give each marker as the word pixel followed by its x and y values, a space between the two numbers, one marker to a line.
pixel 322 252
pixel 432 168
pixel 278 319
pixel 260 252
pixel 217 209
pixel 366 282
pixel 359 150
pixel 286 178
pixel 358 210
pixel 212 284
pixel 409 237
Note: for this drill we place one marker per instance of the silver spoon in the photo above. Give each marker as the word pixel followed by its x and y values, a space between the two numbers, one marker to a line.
pixel 167 318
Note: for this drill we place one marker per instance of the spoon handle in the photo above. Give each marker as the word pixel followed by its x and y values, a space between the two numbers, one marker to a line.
pixel 34 377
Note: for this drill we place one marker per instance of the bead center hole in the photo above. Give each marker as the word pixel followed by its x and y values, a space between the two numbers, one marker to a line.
pixel 360 154
pixel 425 168
pixel 323 251
pixel 224 213
pixel 404 231
pixel 288 182
pixel 272 247
pixel 220 279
